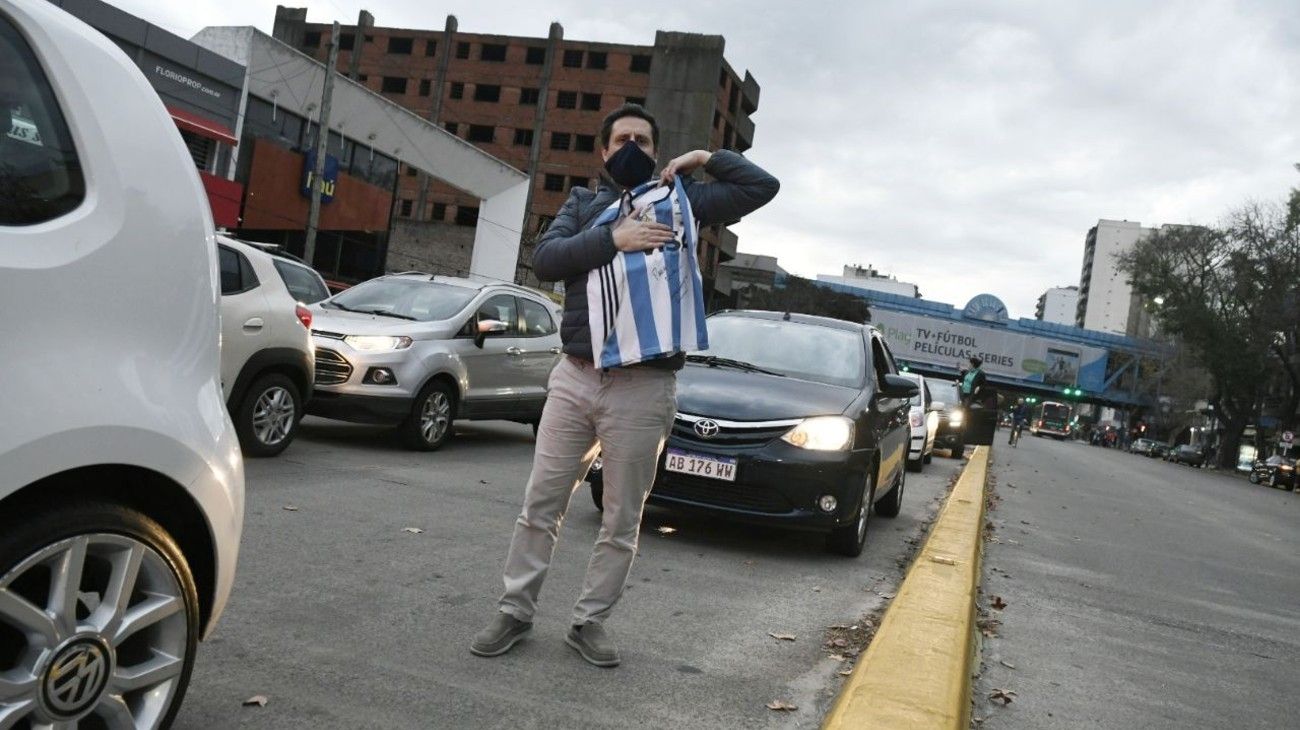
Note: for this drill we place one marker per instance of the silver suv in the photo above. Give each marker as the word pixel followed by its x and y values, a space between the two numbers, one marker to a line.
pixel 418 351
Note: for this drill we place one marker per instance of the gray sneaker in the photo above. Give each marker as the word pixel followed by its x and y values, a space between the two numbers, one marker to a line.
pixel 594 644
pixel 500 636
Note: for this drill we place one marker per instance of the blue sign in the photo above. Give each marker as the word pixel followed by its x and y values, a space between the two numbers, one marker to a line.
pixel 331 176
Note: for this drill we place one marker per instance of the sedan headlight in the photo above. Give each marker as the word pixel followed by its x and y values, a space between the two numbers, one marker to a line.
pixel 823 433
pixel 377 343
pixel 956 417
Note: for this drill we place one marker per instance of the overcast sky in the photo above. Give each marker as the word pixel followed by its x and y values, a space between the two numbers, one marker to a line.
pixel 964 146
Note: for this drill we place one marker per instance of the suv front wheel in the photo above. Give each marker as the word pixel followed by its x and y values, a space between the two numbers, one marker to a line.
pixel 99 617
pixel 429 425
pixel 267 419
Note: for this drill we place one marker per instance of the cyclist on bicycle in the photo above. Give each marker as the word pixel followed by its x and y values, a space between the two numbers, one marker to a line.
pixel 1019 417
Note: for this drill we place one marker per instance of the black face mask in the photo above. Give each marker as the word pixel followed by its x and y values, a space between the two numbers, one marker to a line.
pixel 630 166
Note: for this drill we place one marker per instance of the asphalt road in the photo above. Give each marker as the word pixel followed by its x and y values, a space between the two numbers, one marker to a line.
pixel 1139 594
pixel 343 620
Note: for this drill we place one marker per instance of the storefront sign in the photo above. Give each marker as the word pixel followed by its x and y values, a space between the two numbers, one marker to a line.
pixel 331 176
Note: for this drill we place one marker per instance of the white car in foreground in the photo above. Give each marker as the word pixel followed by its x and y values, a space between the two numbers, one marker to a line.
pixel 121 480
pixel 923 420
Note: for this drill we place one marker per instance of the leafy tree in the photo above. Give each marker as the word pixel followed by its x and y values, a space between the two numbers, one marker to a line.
pixel 1228 293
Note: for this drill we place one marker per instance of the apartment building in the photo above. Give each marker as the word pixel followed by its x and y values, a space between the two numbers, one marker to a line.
pixel 536 103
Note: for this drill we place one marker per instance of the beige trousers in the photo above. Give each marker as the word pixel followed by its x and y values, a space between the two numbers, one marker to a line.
pixel 622 414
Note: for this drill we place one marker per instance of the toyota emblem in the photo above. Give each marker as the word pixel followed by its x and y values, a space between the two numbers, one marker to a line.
pixel 707 429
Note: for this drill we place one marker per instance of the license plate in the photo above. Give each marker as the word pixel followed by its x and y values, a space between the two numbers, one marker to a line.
pixel 701 465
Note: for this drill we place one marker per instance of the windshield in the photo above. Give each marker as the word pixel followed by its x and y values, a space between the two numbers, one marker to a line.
pixel 945 392
pixel 804 351
pixel 413 298
pixel 1056 412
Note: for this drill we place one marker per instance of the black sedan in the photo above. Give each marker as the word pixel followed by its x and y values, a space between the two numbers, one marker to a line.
pixel 1189 455
pixel 788 419
pixel 1275 471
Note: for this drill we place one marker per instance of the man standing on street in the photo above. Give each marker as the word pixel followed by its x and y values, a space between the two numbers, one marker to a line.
pixel 972 381
pixel 621 413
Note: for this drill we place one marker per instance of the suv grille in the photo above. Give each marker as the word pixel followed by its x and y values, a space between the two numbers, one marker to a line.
pixel 732 433
pixel 331 368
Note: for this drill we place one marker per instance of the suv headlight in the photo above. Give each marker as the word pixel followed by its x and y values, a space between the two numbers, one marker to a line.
pixel 823 433
pixel 377 343
pixel 956 418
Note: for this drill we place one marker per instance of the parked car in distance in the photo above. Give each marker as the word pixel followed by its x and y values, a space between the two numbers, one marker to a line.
pixel 950 431
pixel 419 352
pixel 923 419
pixel 121 480
pixel 1143 446
pixel 1275 471
pixel 1159 450
pixel 1189 455
pixel 788 420
pixel 267 364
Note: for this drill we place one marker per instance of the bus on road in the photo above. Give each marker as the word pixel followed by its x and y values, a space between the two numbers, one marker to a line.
pixel 1051 419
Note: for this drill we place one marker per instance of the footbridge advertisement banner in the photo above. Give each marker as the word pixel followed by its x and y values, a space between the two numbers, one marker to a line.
pixel 945 343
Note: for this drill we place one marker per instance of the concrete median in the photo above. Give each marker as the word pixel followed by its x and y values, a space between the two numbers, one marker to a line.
pixel 917 671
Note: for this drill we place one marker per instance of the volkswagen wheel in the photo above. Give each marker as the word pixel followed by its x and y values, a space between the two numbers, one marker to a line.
pixel 432 416
pixel 268 418
pixel 98 619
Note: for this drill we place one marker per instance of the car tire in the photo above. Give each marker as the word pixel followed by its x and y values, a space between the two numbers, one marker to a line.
pixel 959 449
pixel 267 419
pixel 927 458
pixel 1253 478
pixel 598 496
pixel 1272 479
pixel 850 539
pixel 916 465
pixel 113 549
pixel 892 503
pixel 432 419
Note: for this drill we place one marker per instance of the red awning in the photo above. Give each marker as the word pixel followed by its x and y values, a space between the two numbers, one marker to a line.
pixel 203 127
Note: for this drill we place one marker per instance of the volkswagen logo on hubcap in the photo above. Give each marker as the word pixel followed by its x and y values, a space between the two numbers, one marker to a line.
pixel 707 428
pixel 76 677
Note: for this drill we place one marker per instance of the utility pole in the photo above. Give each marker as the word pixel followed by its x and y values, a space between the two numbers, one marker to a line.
pixel 322 137
pixel 435 110
pixel 553 45
pixel 365 21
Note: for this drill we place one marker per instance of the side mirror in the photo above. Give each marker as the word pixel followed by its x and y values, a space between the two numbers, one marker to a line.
pixel 897 386
pixel 487 327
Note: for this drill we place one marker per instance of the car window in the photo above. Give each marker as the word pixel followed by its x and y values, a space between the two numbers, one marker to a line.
pixel 880 360
pixel 237 275
pixel 416 298
pixel 40 175
pixel 303 283
pixel 538 321
pixel 501 308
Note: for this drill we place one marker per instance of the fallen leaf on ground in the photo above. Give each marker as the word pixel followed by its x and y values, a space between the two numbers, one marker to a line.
pixel 846 672
pixel 817 589
pixel 749 562
pixel 839 643
pixel 943 560
pixel 666 530
pixel 838 626
pixel 289 508
pixel 484 481
pixel 886 596
pixel 837 657
pixel 259 700
pixel 781 637
pixel 1002 695
pixel 1006 664
pixel 781 706
pixel 998 604
pixel 412 530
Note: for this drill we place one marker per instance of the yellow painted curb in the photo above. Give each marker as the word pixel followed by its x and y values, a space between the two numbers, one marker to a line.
pixel 917 671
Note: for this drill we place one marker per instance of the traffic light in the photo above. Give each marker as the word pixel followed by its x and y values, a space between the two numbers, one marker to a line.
pixel 1072 392
pixel 1031 399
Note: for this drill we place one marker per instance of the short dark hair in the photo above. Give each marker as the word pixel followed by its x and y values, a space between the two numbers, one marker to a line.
pixel 976 361
pixel 628 110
